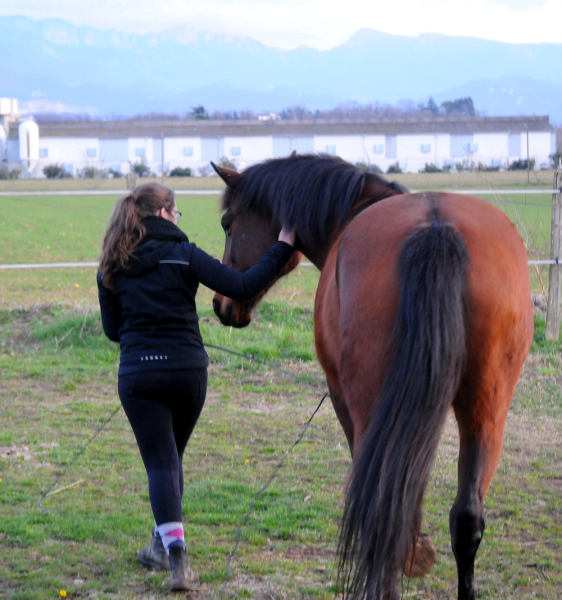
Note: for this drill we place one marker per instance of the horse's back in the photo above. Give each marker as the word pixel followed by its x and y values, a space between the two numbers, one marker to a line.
pixel 361 284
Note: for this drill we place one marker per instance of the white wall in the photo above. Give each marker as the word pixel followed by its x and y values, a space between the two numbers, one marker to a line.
pixel 67 151
pixel 252 149
pixel 348 147
pixel 352 148
pixel 410 153
pixel 145 143
pixel 173 152
pixel 539 148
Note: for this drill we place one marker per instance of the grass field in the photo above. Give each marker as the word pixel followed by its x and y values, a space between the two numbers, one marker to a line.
pixel 413 181
pixel 58 385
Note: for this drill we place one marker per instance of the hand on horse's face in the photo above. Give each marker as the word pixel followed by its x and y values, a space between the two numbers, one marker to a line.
pixel 287 236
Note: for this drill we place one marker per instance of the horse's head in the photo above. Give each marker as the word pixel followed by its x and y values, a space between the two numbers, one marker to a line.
pixel 249 236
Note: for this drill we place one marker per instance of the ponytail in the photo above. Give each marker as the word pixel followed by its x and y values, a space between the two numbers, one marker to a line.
pixel 125 230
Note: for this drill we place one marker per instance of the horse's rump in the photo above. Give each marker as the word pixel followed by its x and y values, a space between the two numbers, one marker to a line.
pixel 404 279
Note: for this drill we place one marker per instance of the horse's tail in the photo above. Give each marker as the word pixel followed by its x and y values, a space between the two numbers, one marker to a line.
pixel 383 509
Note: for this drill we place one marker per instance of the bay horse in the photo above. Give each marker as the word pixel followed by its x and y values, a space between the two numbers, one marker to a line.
pixel 423 304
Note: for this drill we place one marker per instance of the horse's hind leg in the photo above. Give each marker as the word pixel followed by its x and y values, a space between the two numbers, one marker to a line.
pixel 481 440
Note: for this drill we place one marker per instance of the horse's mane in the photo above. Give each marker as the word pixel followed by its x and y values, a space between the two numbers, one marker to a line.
pixel 309 192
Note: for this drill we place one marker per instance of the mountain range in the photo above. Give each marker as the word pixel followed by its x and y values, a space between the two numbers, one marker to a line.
pixel 54 66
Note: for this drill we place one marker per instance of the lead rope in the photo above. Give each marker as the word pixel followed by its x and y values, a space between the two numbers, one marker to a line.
pixel 260 492
pixel 76 457
pixel 106 422
pixel 256 496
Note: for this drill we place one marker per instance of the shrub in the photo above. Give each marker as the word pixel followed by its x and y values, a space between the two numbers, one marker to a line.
pixel 395 168
pixel 114 174
pixel 92 173
pixel 180 172
pixel 56 171
pixel 227 163
pixel 4 173
pixel 372 168
pixel 487 168
pixel 431 168
pixel 141 168
pixel 521 165
pixel 460 167
pixel 555 159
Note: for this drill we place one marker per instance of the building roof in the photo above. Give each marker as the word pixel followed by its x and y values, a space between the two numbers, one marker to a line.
pixel 243 128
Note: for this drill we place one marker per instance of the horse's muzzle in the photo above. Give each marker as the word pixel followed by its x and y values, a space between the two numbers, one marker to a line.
pixel 231 313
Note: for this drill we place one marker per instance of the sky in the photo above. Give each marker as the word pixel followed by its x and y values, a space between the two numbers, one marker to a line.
pixel 322 24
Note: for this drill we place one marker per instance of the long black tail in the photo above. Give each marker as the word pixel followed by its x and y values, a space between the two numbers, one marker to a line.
pixel 383 509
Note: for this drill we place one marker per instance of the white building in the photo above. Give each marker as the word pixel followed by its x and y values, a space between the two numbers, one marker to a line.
pixel 409 142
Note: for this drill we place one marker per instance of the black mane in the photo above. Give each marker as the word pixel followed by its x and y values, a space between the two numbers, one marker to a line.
pixel 308 192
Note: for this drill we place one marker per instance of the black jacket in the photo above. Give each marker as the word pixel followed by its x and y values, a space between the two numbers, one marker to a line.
pixel 151 309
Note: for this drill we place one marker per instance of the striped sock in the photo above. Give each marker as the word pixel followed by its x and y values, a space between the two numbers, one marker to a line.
pixel 172 535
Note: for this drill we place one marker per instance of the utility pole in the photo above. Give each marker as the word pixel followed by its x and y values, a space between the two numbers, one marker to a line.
pixel 554 280
pixel 162 147
pixel 527 129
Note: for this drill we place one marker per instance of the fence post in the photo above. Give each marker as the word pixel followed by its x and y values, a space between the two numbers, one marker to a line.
pixel 553 304
pixel 131 181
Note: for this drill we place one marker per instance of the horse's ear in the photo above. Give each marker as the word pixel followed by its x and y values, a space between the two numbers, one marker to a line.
pixel 293 153
pixel 227 175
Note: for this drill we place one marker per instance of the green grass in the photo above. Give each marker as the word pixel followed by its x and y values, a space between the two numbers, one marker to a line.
pixel 56 394
pixel 67 185
pixel 58 385
pixel 413 181
pixel 70 229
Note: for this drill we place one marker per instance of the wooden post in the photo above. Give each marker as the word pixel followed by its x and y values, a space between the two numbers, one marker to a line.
pixel 553 304
pixel 162 157
pixel 131 181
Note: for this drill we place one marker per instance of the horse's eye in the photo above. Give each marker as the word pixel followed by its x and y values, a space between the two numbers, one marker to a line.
pixel 226 227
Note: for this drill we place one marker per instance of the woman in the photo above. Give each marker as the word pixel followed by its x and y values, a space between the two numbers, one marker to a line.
pixel 147 282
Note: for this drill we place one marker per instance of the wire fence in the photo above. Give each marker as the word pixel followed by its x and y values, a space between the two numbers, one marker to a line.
pixel 217 192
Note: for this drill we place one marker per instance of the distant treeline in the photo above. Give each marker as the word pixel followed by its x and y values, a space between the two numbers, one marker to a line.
pixel 462 107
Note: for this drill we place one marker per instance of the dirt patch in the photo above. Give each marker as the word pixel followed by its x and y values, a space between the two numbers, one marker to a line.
pixel 299 553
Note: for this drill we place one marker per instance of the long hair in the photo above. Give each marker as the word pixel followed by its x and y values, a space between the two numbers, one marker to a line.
pixel 125 230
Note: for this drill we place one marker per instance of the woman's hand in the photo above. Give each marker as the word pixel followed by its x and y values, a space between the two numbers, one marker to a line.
pixel 287 236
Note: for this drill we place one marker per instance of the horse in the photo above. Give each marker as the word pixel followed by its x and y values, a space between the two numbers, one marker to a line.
pixel 423 305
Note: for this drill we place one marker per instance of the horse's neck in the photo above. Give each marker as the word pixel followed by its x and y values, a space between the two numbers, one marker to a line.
pixel 370 195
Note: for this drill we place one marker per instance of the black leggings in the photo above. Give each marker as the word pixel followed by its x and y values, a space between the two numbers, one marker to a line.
pixel 163 407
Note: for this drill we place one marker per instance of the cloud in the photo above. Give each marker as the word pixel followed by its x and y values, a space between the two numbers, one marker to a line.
pixel 520 5
pixel 320 24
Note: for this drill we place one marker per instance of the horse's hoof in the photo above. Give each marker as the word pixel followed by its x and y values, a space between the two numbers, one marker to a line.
pixel 420 559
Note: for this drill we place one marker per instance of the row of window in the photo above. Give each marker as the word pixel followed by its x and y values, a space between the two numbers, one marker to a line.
pixel 403 164
pixel 141 152
pixel 461 146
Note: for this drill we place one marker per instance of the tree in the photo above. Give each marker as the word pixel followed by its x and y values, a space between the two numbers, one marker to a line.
pixel 6 173
pixel 297 112
pixel 462 106
pixel 372 168
pixel 92 173
pixel 141 168
pixel 555 159
pixel 431 107
pixel 199 113
pixel 227 163
pixel 395 168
